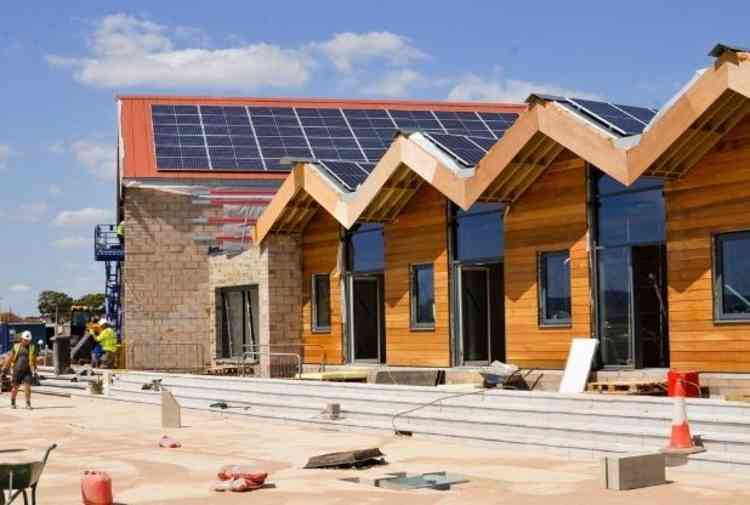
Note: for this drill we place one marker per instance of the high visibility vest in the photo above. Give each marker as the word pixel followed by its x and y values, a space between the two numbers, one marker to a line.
pixel 108 340
pixel 17 350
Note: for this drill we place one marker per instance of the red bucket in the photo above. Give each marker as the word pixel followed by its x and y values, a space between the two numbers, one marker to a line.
pixel 691 382
pixel 96 488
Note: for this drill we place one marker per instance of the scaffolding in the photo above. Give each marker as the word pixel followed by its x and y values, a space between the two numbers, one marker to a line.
pixel 109 248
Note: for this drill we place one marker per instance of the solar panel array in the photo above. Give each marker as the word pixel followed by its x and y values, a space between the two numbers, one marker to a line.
pixel 465 148
pixel 349 174
pixel 249 138
pixel 622 120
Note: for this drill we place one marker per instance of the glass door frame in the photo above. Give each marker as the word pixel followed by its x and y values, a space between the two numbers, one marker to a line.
pixel 592 176
pixel 352 348
pixel 459 268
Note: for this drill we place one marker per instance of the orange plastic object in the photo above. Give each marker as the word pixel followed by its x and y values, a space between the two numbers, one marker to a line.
pixel 96 488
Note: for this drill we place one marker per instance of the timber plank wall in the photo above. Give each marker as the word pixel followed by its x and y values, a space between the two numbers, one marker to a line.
pixel 320 253
pixel 418 236
pixel 713 197
pixel 550 216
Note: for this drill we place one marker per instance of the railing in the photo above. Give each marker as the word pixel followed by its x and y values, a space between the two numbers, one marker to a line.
pixel 107 244
pixel 254 351
pixel 282 365
pixel 165 357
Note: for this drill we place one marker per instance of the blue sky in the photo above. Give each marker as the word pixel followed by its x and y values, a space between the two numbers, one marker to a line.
pixel 62 63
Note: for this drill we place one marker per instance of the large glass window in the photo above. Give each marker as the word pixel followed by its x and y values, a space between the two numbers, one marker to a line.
pixel 321 302
pixel 366 249
pixel 239 309
pixel 479 232
pixel 422 297
pixel 554 288
pixel 632 216
pixel 732 276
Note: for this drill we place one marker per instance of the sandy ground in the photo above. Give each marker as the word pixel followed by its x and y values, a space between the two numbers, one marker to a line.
pixel 122 438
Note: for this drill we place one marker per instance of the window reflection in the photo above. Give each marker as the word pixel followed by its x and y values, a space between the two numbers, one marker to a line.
pixel 733 272
pixel 479 232
pixel 555 287
pixel 366 248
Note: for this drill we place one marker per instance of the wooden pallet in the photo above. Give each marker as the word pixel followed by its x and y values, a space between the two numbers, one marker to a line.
pixel 653 388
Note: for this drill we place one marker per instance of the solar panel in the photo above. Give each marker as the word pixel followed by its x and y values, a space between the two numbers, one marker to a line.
pixel 468 150
pixel 350 174
pixel 253 138
pixel 641 113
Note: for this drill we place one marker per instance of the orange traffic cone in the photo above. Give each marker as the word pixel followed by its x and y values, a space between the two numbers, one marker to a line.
pixel 681 441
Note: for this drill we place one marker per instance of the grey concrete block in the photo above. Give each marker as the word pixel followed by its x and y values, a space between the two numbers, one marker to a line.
pixel 170 411
pixel 633 471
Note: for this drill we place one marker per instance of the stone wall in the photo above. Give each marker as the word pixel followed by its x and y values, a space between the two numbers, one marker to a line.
pixel 165 280
pixel 275 268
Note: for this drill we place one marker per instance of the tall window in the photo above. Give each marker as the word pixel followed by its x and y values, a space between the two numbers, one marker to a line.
pixel 422 297
pixel 366 248
pixel 321 302
pixel 478 232
pixel 239 311
pixel 732 276
pixel 554 289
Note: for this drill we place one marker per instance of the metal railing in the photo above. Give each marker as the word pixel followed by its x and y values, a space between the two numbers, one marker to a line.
pixel 254 351
pixel 166 357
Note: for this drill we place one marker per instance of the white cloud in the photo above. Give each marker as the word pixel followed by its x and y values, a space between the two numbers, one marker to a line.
pixel 5 153
pixel 347 49
pixel 30 212
pixel 396 83
pixel 97 157
pixel 54 190
pixel 72 242
pixel 131 51
pixel 83 217
pixel 19 288
pixel 474 87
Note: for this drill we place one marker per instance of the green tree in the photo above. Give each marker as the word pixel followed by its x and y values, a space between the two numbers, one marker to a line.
pixel 55 304
pixel 93 300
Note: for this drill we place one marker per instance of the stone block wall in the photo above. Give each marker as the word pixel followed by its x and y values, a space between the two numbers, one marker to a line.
pixel 165 281
pixel 275 268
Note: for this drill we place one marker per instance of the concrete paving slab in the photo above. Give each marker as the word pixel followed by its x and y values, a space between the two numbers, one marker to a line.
pixel 121 438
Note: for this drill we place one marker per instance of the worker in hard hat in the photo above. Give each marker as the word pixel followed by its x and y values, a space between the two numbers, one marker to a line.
pixel 107 338
pixel 22 359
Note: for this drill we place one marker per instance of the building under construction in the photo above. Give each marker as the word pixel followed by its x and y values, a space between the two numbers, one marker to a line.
pixel 435 234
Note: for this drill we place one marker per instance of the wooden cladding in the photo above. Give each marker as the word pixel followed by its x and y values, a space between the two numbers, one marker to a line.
pixel 418 236
pixel 550 216
pixel 713 197
pixel 320 253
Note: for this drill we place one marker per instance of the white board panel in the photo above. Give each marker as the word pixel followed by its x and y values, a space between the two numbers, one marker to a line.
pixel 578 367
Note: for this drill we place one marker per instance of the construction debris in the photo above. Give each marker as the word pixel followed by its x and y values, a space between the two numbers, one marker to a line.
pixel 238 478
pixel 155 385
pixel 169 443
pixel 348 459
pixel 219 405
pixel 170 411
pixel 652 388
pixel 441 481
pixel 633 471
pixel 332 411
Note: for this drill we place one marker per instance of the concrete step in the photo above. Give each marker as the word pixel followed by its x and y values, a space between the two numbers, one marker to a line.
pixel 582 424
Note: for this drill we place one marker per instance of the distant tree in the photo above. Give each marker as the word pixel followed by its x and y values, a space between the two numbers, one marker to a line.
pixel 93 300
pixel 55 304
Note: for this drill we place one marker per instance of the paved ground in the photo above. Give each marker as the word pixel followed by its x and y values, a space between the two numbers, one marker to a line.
pixel 122 439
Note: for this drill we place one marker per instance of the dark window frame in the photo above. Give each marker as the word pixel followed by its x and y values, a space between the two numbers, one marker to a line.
pixel 315 326
pixel 414 324
pixel 717 261
pixel 544 322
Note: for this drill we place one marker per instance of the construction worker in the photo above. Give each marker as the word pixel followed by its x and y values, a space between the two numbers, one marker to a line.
pixel 22 359
pixel 120 231
pixel 94 329
pixel 107 338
